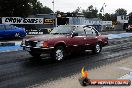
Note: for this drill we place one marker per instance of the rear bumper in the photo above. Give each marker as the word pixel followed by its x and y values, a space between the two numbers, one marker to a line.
pixel 38 49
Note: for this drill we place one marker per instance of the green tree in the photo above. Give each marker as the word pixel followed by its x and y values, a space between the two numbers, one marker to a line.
pixel 121 11
pixel 46 10
pixel 15 7
pixel 114 19
pixel 39 9
pixel 22 8
pixel 90 12
pixel 78 10
pixel 100 16
pixel 107 17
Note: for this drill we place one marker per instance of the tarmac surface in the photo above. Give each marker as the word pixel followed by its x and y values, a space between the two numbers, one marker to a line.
pixel 121 69
pixel 20 70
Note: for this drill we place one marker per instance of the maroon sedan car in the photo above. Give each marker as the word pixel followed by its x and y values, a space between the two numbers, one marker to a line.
pixel 65 40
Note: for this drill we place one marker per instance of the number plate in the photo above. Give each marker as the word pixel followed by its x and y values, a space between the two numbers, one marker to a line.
pixel 27 49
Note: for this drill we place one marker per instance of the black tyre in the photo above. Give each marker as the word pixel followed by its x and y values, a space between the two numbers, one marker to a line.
pixel 58 53
pixel 35 54
pixel 97 48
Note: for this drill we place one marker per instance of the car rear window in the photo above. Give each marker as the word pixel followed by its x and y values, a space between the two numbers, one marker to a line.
pixel 2 27
pixel 9 27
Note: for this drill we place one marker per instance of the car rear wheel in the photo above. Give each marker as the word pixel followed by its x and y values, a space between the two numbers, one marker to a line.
pixel 97 48
pixel 35 54
pixel 58 54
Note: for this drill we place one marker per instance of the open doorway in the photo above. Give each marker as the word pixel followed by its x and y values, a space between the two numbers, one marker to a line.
pixel 62 21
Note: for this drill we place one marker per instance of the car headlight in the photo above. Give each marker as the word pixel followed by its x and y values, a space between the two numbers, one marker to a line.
pixel 39 44
pixel 42 44
pixel 45 44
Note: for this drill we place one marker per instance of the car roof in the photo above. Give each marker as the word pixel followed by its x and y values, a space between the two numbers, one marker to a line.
pixel 4 24
pixel 72 25
pixel 75 26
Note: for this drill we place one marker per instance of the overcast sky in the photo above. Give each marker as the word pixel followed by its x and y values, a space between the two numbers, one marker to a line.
pixel 71 5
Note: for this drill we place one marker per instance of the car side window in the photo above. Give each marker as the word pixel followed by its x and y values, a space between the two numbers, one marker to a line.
pixel 2 27
pixel 9 27
pixel 80 31
pixel 90 31
pixel 94 32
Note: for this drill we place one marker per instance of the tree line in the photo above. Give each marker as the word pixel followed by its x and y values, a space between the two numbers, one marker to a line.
pixel 24 8
pixel 92 12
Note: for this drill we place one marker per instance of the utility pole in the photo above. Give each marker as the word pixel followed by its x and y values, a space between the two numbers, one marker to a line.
pixel 102 9
pixel 54 16
pixel 53 13
pixel 103 13
pixel 53 6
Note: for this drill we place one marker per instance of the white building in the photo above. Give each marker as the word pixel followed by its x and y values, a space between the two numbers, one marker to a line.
pixel 96 22
pixel 122 22
pixel 122 19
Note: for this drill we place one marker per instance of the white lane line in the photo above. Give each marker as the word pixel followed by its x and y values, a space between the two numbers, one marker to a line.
pixel 6 51
pixel 124 68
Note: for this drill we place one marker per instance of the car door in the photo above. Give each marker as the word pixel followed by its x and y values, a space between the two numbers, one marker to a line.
pixel 10 31
pixel 77 42
pixel 91 38
pixel 2 31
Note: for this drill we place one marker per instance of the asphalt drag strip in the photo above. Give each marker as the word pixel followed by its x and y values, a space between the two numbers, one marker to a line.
pixel 19 70
pixel 117 70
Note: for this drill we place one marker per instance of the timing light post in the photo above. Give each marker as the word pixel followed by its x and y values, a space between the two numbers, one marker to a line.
pixel 102 9
pixel 53 6
pixel 54 14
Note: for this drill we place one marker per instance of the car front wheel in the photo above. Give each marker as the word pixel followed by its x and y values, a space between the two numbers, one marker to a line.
pixel 97 48
pixel 58 54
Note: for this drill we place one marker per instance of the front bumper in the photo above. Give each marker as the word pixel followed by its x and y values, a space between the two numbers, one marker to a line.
pixel 105 43
pixel 38 49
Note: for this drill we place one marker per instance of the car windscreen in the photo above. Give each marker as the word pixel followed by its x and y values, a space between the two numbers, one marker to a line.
pixel 62 30
pixel 9 27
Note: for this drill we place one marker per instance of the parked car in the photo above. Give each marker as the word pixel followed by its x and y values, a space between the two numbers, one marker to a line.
pixel 9 31
pixel 129 28
pixel 65 40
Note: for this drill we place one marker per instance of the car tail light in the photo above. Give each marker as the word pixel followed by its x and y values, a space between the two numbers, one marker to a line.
pixel 45 44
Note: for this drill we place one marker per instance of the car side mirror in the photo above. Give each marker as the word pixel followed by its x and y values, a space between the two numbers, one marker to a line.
pixel 74 34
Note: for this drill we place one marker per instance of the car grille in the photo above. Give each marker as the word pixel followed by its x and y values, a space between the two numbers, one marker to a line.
pixel 31 43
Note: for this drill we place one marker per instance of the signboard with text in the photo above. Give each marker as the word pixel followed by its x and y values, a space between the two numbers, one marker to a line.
pixel 19 20
pixel 49 21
